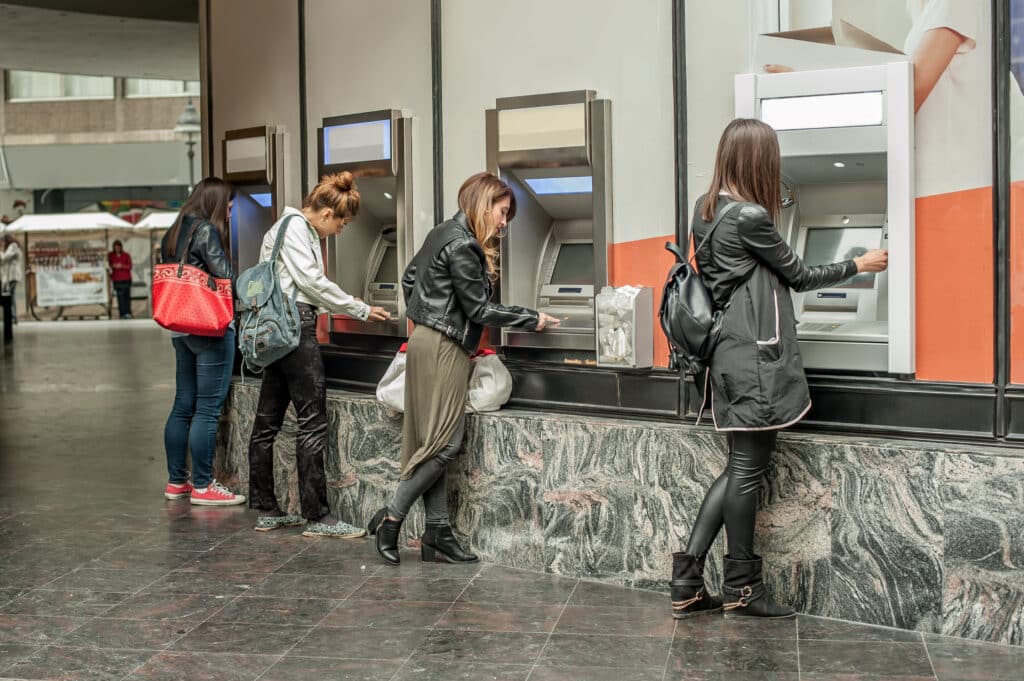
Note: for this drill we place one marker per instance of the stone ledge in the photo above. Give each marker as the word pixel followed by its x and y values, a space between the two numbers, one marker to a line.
pixel 889 532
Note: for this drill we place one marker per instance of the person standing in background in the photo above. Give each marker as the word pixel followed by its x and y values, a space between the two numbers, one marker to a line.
pixel 11 271
pixel 121 276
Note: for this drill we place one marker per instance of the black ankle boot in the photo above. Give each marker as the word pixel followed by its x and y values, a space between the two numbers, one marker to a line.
pixel 689 597
pixel 439 544
pixel 744 592
pixel 387 532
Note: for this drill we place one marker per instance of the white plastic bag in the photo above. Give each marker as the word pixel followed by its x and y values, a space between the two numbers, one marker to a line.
pixel 490 383
pixel 391 389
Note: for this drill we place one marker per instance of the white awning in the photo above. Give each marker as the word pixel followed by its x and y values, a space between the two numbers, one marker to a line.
pixel 67 222
pixel 158 219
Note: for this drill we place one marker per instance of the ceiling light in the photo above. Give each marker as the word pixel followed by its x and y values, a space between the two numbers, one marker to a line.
pixel 839 164
pixel 387 195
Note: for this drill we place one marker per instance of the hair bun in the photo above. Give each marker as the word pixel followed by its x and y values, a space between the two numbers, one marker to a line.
pixel 343 181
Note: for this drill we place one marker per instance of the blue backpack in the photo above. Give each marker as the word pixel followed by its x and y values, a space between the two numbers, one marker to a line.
pixel 269 327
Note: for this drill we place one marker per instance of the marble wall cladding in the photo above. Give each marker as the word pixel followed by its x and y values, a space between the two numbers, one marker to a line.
pixel 887 526
pixel 983 502
pixel 895 533
pixel 794 525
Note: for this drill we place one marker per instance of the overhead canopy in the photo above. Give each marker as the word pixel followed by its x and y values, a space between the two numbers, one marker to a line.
pixel 67 222
pixel 158 219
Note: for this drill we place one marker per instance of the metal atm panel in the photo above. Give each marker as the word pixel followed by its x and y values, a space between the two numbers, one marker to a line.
pixel 555 153
pixel 254 164
pixel 369 256
pixel 846 138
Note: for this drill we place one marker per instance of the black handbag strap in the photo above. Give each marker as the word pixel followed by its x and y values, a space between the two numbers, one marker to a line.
pixel 718 220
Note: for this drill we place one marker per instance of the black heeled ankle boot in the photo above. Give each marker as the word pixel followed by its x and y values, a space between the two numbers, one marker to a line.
pixel 387 532
pixel 689 596
pixel 439 544
pixel 744 592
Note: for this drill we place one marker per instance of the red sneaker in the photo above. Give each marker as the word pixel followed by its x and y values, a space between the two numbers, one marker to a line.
pixel 216 495
pixel 178 490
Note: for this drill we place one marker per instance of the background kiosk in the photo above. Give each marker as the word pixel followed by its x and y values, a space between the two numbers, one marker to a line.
pixel 847 140
pixel 369 256
pixel 254 164
pixel 555 152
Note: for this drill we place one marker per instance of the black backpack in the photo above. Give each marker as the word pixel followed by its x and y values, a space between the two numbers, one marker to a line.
pixel 688 314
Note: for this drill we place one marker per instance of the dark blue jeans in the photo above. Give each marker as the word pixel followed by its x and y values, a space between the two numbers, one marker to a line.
pixel 123 289
pixel 203 376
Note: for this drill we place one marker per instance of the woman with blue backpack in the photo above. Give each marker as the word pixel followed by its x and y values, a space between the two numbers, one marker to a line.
pixel 755 378
pixel 298 377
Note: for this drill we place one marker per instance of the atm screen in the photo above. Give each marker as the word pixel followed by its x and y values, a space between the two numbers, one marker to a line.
pixel 387 272
pixel 826 245
pixel 575 265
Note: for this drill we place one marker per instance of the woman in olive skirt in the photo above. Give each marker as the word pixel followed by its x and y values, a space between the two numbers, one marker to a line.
pixel 447 289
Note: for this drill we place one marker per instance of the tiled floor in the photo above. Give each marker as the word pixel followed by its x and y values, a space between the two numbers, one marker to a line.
pixel 102 579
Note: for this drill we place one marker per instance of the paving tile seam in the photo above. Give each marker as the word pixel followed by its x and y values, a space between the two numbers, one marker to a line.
pixel 928 654
pixel 796 627
pixel 432 627
pixel 318 625
pixel 668 658
pixel 544 647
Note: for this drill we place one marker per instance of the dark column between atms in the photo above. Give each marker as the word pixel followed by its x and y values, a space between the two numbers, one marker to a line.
pixel 554 150
pixel 254 164
pixel 369 256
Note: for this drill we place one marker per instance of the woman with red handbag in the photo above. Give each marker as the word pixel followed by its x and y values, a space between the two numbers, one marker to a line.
pixel 204 362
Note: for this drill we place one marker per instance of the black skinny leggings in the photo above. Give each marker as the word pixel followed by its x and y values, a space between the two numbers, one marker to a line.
pixel 732 498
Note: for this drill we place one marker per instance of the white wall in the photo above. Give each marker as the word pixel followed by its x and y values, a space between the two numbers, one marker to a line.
pixel 367 55
pixel 717 49
pixel 623 50
pixel 255 60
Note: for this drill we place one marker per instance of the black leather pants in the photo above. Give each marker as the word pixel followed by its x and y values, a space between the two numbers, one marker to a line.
pixel 732 498
pixel 298 377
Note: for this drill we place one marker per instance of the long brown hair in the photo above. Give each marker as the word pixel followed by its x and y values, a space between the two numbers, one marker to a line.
pixel 207 202
pixel 337 192
pixel 477 196
pixel 747 167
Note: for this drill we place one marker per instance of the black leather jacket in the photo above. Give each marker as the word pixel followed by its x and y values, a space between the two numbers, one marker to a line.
pixel 446 287
pixel 756 375
pixel 206 252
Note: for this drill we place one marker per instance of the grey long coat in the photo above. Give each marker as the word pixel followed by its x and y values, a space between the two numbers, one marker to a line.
pixel 756 377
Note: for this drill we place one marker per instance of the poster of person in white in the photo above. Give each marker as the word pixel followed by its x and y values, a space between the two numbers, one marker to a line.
pixel 950 46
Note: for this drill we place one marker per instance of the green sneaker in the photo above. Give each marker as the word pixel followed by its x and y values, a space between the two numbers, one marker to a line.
pixel 266 523
pixel 339 530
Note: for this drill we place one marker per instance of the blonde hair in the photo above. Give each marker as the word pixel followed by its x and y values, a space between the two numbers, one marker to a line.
pixel 477 196
pixel 337 192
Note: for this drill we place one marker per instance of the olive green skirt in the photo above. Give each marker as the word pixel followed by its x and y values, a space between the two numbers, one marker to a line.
pixel 436 384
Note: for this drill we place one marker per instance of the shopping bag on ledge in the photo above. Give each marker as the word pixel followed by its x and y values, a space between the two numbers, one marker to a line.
pixel 391 388
pixel 490 383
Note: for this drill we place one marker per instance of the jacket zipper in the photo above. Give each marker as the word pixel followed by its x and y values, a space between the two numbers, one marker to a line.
pixel 775 339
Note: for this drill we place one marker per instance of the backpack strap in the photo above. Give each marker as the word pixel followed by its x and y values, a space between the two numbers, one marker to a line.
pixel 277 250
pixel 725 211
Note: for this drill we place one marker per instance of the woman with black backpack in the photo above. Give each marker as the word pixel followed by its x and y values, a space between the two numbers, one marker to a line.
pixel 755 381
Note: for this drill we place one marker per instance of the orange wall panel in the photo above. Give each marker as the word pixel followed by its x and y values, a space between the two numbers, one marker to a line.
pixel 955 311
pixel 1017 282
pixel 644 263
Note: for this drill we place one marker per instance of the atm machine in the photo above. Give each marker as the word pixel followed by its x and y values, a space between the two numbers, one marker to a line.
pixel 369 256
pixel 847 142
pixel 254 164
pixel 554 150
